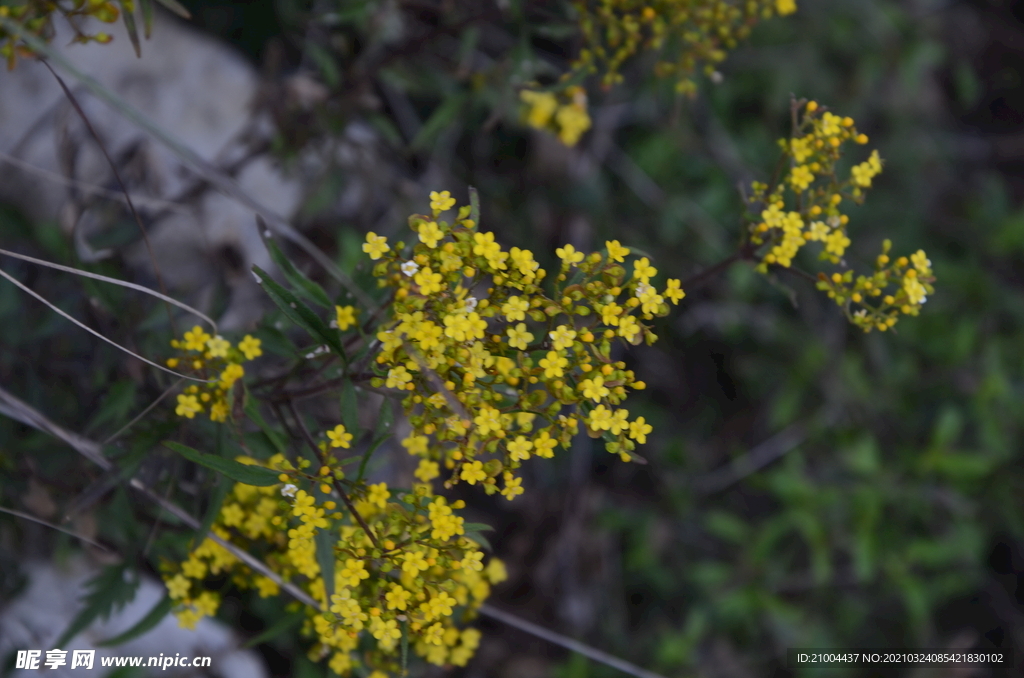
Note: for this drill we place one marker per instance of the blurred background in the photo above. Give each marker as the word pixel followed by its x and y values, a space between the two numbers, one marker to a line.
pixel 807 485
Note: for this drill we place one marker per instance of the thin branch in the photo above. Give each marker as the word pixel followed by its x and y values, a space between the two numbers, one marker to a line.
pixel 200 166
pixel 337 485
pixel 18 410
pixel 92 189
pixel 91 450
pixel 567 642
pixel 113 281
pixel 141 414
pixel 32 518
pixel 93 332
pixel 117 176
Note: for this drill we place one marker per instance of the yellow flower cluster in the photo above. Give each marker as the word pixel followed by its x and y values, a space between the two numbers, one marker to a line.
pixel 215 359
pixel 687 32
pixel 813 152
pixel 402 564
pixel 36 18
pixel 563 113
pixel 494 368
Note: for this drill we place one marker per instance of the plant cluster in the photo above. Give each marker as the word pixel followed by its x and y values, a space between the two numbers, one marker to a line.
pixel 816 193
pixel 687 34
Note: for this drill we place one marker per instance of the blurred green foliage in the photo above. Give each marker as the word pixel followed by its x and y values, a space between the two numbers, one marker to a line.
pixel 895 472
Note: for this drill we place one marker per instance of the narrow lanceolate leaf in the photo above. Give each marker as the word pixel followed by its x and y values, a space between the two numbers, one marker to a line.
pixel 150 621
pixel 299 313
pixel 176 7
pixel 381 433
pixel 325 541
pixel 133 30
pixel 442 117
pixel 306 287
pixel 277 630
pixel 350 408
pixel 252 410
pixel 242 473
pixel 147 17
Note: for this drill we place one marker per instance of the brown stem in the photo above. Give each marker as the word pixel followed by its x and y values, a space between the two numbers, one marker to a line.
pixel 337 486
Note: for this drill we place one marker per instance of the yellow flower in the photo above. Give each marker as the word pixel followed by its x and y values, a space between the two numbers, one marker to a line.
pixel 250 347
pixel 542 105
pixel 340 437
pixel 673 291
pixel 429 281
pixel 801 177
pixel 398 377
pixel 639 429
pixel 921 262
pixel 600 418
pixel 427 470
pixel 488 421
pixel 430 234
pixel 513 487
pixel 196 338
pixel 544 445
pixel 188 406
pixel 473 472
pixel 616 252
pixel 574 122
pixel 836 243
pixel 230 375
pixel 218 346
pixel 375 245
pixel 553 365
pixel 346 317
pixel 562 337
pixel 353 572
pixel 594 388
pixel 416 444
pixel 643 271
pixel 178 587
pixel 439 202
pixel 628 328
pixel 397 598
pixel 784 7
pixel 569 255
pixel 519 449
pixel 518 337
pixel 515 308
pixel 379 495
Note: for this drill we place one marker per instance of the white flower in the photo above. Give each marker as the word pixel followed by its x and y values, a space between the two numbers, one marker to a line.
pixel 470 304
pixel 409 268
pixel 641 289
pixel 289 490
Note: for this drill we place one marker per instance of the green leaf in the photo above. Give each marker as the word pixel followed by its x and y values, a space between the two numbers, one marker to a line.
pixel 300 314
pixel 110 590
pixel 479 539
pixel 220 493
pixel 278 629
pixel 176 7
pixel 306 287
pixel 150 621
pixel 441 118
pixel 133 30
pixel 253 412
pixel 478 527
pixel 350 408
pixel 147 17
pixel 380 434
pixel 116 405
pixel 325 62
pixel 325 541
pixel 247 475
